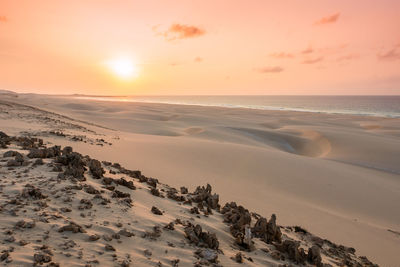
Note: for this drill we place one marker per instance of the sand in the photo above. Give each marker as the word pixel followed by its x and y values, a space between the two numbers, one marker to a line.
pixel 335 175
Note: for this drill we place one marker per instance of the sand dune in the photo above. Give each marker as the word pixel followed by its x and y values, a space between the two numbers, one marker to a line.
pixel 325 172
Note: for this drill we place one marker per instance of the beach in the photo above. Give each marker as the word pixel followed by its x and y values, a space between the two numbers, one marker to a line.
pixel 335 175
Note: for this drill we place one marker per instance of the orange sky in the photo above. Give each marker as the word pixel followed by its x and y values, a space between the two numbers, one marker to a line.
pixel 201 47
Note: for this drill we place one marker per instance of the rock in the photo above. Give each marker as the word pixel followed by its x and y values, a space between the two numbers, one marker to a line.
pixel 13 163
pixel 170 226
pixel 75 165
pixel 32 192
pixel 67 150
pixel 95 169
pixel 72 227
pixel 25 224
pixel 5 254
pixel 314 256
pixel 208 254
pixel 50 152
pixel 260 228
pixel 203 195
pixel 295 253
pixel 147 253
pixel 155 192
pixel 41 258
pixel 125 263
pixel 94 237
pixel 119 194
pixel 38 162
pixel 11 153
pixel 198 237
pixel 126 233
pixel 91 190
pixel 194 210
pixel 273 231
pixel 184 190
pixel 238 257
pixel 85 204
pixel 156 211
pixel 107 180
pixel 152 182
pixel 108 247
pixel 125 183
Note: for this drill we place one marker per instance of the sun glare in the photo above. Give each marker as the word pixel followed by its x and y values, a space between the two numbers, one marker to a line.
pixel 124 68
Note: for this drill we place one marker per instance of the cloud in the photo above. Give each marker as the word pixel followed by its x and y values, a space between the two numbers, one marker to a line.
pixel 312 61
pixel 3 19
pixel 328 20
pixel 392 54
pixel 275 69
pixel 198 59
pixel 181 31
pixel 348 57
pixel 308 50
pixel 281 55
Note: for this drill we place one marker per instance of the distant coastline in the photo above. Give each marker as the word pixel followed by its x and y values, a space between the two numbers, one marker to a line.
pixel 375 106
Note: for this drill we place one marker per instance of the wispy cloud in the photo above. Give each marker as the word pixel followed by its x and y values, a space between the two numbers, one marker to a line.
pixel 281 55
pixel 348 57
pixel 312 61
pixel 3 19
pixel 308 50
pixel 180 31
pixel 274 69
pixel 392 54
pixel 198 59
pixel 328 20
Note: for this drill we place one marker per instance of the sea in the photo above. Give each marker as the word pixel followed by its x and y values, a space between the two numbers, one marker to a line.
pixel 381 106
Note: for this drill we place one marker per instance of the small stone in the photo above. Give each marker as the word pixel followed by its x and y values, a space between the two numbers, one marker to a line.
pixel 156 211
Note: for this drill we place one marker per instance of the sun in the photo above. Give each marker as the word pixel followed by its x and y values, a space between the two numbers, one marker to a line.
pixel 124 68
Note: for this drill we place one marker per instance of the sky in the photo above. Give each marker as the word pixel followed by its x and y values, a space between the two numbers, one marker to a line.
pixel 218 47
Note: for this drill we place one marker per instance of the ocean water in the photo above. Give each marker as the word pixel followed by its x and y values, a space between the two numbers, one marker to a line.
pixel 383 106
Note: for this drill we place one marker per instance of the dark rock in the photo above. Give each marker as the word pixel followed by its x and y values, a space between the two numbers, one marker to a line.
pixel 108 247
pixel 95 169
pixel 38 162
pixel 119 194
pixel 200 238
pixel 91 190
pixel 94 237
pixel 11 153
pixel 152 182
pixel 194 210
pixel 170 226
pixel 184 190
pixel 107 180
pixel 50 152
pixel 238 257
pixel 126 233
pixel 5 254
pixel 314 256
pixel 41 258
pixel 125 183
pixel 32 192
pixel 155 192
pixel 72 227
pixel 295 253
pixel 207 254
pixel 156 211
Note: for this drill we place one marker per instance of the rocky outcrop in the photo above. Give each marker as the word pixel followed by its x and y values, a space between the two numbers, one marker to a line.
pixel 50 152
pixel 196 235
pixel 95 169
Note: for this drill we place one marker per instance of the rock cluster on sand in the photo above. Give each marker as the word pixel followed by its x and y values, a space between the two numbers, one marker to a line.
pixel 60 206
